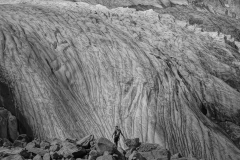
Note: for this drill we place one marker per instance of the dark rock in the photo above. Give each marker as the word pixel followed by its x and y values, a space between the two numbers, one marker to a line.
pixel 55 155
pixel 12 127
pixel 80 153
pixel 23 138
pixel 25 154
pixel 3 123
pixel 18 143
pixel 1 142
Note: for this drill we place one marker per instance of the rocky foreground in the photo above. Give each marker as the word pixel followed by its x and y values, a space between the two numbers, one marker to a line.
pixel 87 148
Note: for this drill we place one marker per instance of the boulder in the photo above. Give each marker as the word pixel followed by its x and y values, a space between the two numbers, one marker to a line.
pixel 4 152
pixel 45 145
pixel 47 156
pixel 18 143
pixel 136 156
pixel 106 153
pixel 3 123
pixel 6 143
pixel 132 143
pixel 13 157
pixel 128 153
pixel 30 145
pixel 69 150
pixel 12 127
pixel 37 157
pixel 39 151
pixel 85 142
pixel 25 154
pixel 93 154
pixel 55 155
pixel 103 144
pixel 56 141
pixel 106 157
pixel 54 148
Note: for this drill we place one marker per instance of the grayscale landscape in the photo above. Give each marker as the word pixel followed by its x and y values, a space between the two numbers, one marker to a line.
pixel 166 72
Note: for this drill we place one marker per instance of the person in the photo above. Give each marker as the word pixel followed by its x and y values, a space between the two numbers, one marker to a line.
pixel 116 135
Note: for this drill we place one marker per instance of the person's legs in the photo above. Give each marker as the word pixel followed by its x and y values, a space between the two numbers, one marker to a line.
pixel 116 141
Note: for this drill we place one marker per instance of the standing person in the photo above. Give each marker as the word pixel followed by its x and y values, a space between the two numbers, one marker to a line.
pixel 116 135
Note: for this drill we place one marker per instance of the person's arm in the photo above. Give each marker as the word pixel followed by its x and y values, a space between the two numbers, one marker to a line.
pixel 122 135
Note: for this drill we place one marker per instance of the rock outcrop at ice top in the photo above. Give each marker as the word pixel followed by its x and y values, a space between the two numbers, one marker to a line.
pixel 75 69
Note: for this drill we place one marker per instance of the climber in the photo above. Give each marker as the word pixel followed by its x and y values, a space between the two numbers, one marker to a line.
pixel 116 135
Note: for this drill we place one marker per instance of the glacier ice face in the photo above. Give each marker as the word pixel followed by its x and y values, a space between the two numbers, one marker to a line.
pixel 76 69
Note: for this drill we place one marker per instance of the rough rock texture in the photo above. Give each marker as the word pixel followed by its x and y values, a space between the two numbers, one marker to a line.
pixel 3 123
pixel 13 157
pixel 75 69
pixel 12 127
pixel 8 125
